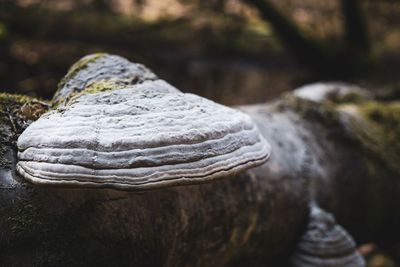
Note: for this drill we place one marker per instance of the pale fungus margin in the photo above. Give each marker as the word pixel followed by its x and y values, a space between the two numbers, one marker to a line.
pixel 325 243
pixel 144 136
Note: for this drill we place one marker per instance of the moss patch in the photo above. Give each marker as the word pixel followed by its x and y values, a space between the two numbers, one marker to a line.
pixel 100 86
pixel 377 126
pixel 8 103
pixel 324 113
pixel 77 66
pixel 351 97
pixel 96 87
pixel 15 109
pixel 16 113
pixel 373 124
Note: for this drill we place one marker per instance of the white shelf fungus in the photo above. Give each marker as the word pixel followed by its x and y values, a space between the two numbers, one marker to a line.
pixel 144 136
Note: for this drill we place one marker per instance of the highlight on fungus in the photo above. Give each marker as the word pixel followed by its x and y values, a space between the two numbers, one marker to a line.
pixel 147 135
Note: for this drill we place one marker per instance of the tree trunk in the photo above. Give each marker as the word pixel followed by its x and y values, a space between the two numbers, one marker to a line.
pixel 355 27
pixel 326 61
pixel 247 219
pixel 305 49
pixel 255 218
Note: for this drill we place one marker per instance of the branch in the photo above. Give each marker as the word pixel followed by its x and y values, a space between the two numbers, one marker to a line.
pixel 355 27
pixel 307 50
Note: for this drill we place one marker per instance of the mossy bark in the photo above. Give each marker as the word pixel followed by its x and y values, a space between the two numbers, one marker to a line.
pixel 99 72
pixel 242 219
pixel 357 149
pixel 255 218
pixel 16 113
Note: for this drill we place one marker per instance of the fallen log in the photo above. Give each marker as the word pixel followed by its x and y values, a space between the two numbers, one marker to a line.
pixel 257 218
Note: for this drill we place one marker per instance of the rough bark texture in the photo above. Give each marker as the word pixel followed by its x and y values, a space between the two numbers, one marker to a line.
pixel 358 152
pixel 246 218
pixel 252 219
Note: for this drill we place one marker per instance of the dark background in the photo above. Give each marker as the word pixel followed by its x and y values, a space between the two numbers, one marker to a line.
pixel 231 51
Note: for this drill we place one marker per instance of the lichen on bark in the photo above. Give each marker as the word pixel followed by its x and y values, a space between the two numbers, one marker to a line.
pixel 376 126
pixel 373 123
pixel 76 67
pixel 98 86
pixel 99 72
pixel 16 113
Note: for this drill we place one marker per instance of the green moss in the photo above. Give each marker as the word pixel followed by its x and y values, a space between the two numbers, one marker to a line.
pixel 324 113
pixel 377 126
pixel 20 107
pixel 100 86
pixel 73 70
pixel 10 100
pixel 351 97
pixel 97 86
pixel 77 66
pixel 16 113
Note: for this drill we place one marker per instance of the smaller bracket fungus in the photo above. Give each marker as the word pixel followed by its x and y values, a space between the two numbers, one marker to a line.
pixel 326 244
pixel 145 136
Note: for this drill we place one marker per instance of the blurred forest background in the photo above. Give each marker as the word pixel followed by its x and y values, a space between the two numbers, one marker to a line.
pixel 231 51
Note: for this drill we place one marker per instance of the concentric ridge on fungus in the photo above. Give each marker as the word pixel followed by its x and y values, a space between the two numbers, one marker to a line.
pixel 326 244
pixel 144 136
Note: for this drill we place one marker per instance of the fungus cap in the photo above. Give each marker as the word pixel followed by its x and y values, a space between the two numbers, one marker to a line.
pixel 326 244
pixel 144 136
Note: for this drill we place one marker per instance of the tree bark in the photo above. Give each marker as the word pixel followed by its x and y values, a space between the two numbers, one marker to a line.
pixel 247 219
pixel 255 218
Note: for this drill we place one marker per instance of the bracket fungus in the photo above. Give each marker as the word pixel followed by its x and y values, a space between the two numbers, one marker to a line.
pixel 326 244
pixel 144 136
